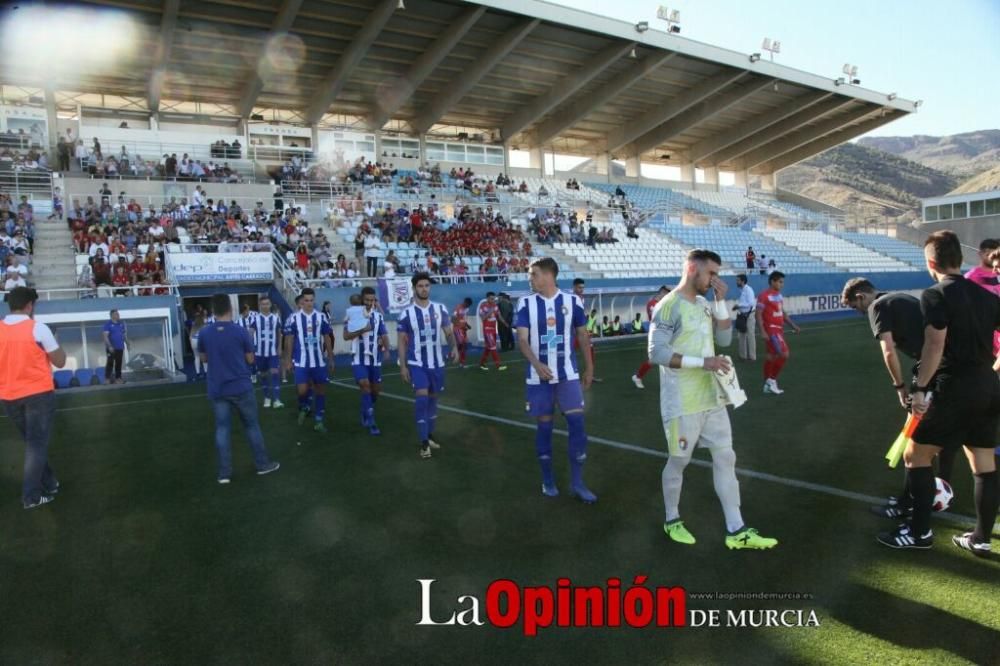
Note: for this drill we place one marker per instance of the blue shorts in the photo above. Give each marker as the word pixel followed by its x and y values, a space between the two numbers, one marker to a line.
pixel 543 398
pixel 266 363
pixel 315 375
pixel 424 378
pixel 373 373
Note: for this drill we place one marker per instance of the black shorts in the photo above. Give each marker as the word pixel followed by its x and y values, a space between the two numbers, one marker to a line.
pixel 964 411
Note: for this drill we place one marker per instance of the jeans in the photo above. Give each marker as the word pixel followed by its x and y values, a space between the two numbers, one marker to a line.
pixel 113 368
pixel 246 406
pixel 33 418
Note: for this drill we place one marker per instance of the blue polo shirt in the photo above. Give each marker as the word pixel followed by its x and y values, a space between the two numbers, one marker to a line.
pixel 116 333
pixel 226 344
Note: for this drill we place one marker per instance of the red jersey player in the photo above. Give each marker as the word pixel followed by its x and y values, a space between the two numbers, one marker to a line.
pixel 460 325
pixel 771 318
pixel 489 316
pixel 646 365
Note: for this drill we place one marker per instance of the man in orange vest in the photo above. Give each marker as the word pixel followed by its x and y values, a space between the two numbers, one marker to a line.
pixel 27 351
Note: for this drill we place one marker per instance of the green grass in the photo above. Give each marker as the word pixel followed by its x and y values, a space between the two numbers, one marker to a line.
pixel 145 559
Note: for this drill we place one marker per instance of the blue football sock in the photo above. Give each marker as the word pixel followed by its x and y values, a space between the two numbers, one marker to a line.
pixel 432 414
pixel 420 413
pixel 577 447
pixel 319 406
pixel 366 402
pixel 543 447
pixel 275 386
pixel 303 401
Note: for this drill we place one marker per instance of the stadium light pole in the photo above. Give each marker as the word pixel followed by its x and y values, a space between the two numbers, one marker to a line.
pixel 771 47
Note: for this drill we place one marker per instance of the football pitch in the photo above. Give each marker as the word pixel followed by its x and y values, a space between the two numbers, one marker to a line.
pixel 143 558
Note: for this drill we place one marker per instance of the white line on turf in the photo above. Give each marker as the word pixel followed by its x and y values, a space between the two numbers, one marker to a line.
pixel 635 448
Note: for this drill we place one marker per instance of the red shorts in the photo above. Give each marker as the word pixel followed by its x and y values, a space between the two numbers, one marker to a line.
pixel 490 338
pixel 776 344
pixel 460 336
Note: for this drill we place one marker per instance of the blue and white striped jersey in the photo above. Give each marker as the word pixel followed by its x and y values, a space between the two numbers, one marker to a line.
pixel 364 349
pixel 423 326
pixel 248 323
pixel 307 330
pixel 552 324
pixel 268 327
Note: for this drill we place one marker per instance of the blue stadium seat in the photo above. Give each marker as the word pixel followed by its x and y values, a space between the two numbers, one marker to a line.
pixel 62 378
pixel 84 375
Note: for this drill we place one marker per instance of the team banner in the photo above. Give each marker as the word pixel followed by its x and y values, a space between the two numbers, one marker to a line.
pixel 193 267
pixel 395 294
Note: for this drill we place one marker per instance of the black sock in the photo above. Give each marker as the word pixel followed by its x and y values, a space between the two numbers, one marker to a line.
pixel 945 463
pixel 922 489
pixel 986 505
pixel 905 499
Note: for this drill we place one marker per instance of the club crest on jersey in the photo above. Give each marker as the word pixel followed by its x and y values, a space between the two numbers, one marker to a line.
pixel 565 311
pixel 683 444
pixel 551 321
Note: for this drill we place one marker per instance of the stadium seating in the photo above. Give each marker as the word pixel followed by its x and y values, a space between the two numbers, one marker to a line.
pixel 651 198
pixel 836 251
pixel 651 255
pixel 897 249
pixel 731 243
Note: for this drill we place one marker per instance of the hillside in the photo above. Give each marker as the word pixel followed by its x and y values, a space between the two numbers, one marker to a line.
pixel 963 155
pixel 987 180
pixel 865 181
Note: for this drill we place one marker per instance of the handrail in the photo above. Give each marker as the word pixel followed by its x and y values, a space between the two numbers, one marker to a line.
pixel 95 292
pixel 173 248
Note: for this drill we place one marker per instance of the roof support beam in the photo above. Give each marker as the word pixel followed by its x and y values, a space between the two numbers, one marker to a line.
pixel 710 145
pixel 167 25
pixel 386 105
pixel 334 81
pixel 575 112
pixel 780 129
pixel 264 71
pixel 696 115
pixel 658 115
pixel 454 92
pixel 830 141
pixel 566 87
pixel 804 136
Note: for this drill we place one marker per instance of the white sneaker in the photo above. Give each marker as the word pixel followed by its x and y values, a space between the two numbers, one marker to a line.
pixel 638 382
pixel 277 404
pixel 267 403
pixel 767 386
pixel 774 387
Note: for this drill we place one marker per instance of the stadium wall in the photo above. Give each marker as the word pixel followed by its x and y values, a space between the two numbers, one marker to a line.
pixel 970 231
pixel 76 187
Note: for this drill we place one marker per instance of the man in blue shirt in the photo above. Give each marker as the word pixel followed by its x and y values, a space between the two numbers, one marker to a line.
pixel 115 339
pixel 227 349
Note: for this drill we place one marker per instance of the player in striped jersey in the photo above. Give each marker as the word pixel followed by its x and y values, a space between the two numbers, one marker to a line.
pixel 247 320
pixel 367 357
pixel 547 321
pixel 421 360
pixel 309 349
pixel 268 329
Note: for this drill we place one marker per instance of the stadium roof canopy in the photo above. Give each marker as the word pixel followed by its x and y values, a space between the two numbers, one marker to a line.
pixel 524 72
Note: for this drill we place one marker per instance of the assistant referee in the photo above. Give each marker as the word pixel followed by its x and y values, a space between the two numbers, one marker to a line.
pixel 27 350
pixel 956 366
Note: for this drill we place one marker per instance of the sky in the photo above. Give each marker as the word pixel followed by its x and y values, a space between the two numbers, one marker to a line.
pixel 944 53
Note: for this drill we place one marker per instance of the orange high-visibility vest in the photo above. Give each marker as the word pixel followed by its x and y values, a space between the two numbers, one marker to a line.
pixel 24 366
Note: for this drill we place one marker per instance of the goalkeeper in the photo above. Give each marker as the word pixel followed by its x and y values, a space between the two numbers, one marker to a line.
pixel 692 403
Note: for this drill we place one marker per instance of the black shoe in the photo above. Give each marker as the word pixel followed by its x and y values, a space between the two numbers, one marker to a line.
pixel 44 499
pixel 892 511
pixel 903 538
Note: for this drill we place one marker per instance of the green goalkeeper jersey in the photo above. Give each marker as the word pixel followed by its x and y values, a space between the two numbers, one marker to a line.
pixel 685 328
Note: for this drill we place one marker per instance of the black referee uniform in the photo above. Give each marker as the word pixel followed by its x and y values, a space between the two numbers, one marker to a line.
pixel 965 407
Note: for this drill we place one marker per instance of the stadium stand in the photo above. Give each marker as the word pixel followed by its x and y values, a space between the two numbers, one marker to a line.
pixel 836 251
pixel 900 250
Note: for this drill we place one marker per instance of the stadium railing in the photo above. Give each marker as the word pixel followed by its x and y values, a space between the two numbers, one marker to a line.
pixel 18 181
pixel 99 292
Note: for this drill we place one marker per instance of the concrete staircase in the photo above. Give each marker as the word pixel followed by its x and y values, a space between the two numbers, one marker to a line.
pixel 53 265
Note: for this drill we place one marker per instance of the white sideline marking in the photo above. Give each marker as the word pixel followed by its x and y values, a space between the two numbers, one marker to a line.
pixel 635 448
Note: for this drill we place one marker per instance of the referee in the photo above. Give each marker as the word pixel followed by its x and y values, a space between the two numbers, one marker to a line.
pixel 27 350
pixel 956 366
pixel 898 324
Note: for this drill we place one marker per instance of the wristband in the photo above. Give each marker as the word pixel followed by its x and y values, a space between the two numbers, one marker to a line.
pixel 922 389
pixel 899 386
pixel 721 311
pixel 692 362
